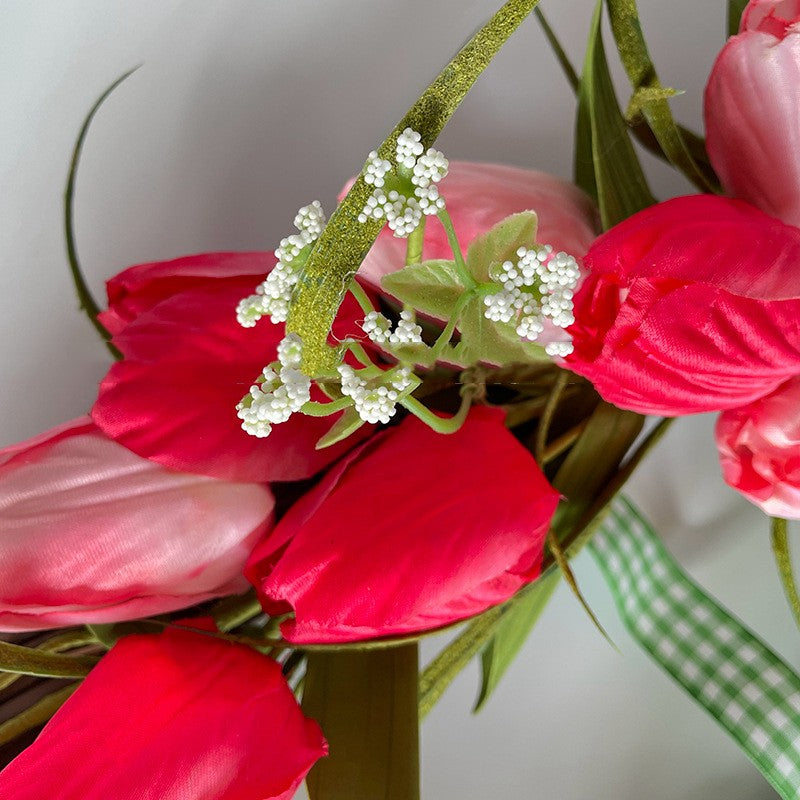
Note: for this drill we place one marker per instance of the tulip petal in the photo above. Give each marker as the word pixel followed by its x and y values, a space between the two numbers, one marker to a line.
pixel 91 533
pixel 481 195
pixel 176 716
pixel 140 288
pixel 690 306
pixel 770 16
pixel 413 531
pixel 752 113
pixel 187 363
pixel 759 450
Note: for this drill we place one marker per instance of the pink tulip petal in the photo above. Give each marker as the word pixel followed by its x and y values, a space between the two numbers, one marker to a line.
pixel 140 288
pixel 413 531
pixel 481 195
pixel 691 305
pixel 770 16
pixel 759 449
pixel 752 112
pixel 90 532
pixel 187 364
pixel 175 716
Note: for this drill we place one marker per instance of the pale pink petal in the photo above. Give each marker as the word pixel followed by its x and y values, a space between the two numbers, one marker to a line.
pixel 752 112
pixel 90 532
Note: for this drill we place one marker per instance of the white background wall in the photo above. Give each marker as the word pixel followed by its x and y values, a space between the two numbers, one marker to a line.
pixel 242 112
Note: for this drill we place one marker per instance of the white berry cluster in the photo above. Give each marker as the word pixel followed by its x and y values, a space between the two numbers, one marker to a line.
pixel 539 286
pixel 379 329
pixel 375 402
pixel 275 396
pixel 274 295
pixel 413 192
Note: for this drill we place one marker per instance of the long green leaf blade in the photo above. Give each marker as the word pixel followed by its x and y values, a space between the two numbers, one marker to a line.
pixel 621 187
pixel 345 241
pixel 783 559
pixel 27 661
pixel 512 632
pixel 651 97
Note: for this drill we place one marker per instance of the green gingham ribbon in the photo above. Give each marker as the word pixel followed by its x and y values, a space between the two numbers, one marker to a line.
pixel 743 684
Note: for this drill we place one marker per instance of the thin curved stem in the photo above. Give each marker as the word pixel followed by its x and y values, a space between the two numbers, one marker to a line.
pixel 87 302
pixel 452 239
pixel 439 424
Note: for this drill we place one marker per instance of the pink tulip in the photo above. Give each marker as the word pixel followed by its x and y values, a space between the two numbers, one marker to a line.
pixel 481 195
pixel 691 305
pixel 175 716
pixel 412 531
pixel 90 532
pixel 759 448
pixel 188 362
pixel 752 110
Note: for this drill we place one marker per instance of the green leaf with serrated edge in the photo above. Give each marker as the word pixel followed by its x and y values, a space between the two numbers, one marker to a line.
pixel 432 287
pixel 501 243
pixel 345 241
pixel 512 631
pixel 641 72
pixel 494 342
pixel 347 424
pixel 735 10
pixel 622 188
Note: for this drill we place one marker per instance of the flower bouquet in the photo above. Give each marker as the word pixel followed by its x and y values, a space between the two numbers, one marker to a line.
pixel 402 425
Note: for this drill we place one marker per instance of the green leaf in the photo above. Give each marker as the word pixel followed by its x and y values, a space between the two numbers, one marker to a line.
pixel 439 674
pixel 346 425
pixel 735 11
pixel 85 298
pixel 512 631
pixel 432 287
pixel 367 704
pixel 646 96
pixel 621 187
pixel 27 661
pixel 485 341
pixel 35 715
pixel 650 96
pixel 783 559
pixel 501 243
pixel 345 241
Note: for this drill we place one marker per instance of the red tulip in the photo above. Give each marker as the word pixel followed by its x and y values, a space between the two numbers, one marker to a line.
pixel 187 363
pixel 412 531
pixel 752 110
pixel 690 305
pixel 175 716
pixel 90 532
pixel 759 447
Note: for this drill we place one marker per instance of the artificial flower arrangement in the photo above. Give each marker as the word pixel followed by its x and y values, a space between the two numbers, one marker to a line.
pixel 407 420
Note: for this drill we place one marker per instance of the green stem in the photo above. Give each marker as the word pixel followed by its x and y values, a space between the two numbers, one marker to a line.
pixel 361 297
pixel 360 353
pixel 87 302
pixel 32 661
pixel 547 416
pixel 452 239
pixel 780 547
pixel 314 409
pixel 447 334
pixel 439 424
pixel 415 242
pixel 35 715
pixel 231 612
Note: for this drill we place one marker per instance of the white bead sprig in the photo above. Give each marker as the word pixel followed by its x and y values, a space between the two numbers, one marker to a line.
pixel 273 296
pixel 275 396
pixel 376 400
pixel 402 196
pixel 537 287
pixel 379 329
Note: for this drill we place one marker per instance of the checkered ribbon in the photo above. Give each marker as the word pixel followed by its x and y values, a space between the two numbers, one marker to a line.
pixel 745 686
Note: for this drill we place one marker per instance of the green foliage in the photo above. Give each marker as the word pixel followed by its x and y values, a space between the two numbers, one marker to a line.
pixel 606 165
pixel 735 11
pixel 346 425
pixel 511 633
pixel 650 98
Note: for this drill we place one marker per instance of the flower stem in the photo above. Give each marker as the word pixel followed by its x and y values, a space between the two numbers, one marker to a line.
pixel 314 409
pixel 415 242
pixel 780 547
pixel 461 266
pixel 439 424
pixel 361 297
